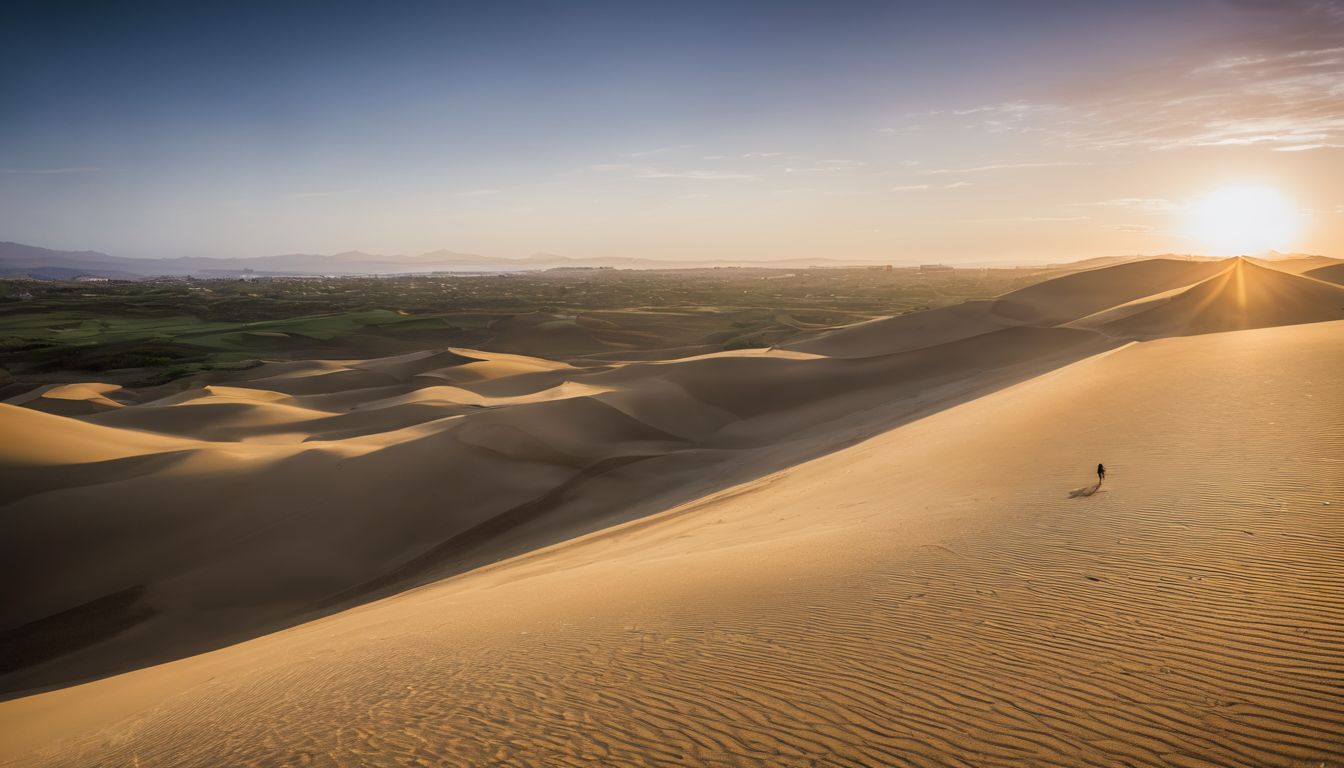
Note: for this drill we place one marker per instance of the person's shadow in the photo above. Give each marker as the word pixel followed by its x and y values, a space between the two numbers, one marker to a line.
pixel 1086 490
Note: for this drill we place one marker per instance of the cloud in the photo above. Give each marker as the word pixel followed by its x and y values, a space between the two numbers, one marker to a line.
pixel 701 175
pixel 1306 147
pixel 1147 204
pixel 46 171
pixel 917 187
pixel 1000 167
pixel 603 167
pixel 659 150
pixel 478 193
pixel 1286 100
pixel 1128 227
pixel 1018 107
pixel 1019 219
pixel 752 155
pixel 321 193
pixel 843 166
pixel 1010 117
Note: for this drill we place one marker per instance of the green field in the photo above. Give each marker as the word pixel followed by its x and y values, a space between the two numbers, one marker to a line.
pixel 148 332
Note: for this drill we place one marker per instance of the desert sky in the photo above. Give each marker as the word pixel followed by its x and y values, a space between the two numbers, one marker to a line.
pixel 964 132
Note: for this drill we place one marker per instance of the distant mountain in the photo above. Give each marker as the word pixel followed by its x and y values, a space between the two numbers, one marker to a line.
pixel 18 260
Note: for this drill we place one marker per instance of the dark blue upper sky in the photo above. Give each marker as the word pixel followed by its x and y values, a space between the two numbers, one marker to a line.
pixel 161 128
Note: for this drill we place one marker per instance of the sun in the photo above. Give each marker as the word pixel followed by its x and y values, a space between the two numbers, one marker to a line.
pixel 1236 220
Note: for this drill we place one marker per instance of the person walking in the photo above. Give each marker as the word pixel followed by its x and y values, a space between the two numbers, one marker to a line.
pixel 1101 473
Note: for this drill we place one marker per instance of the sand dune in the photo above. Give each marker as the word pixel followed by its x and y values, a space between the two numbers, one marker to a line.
pixel 1074 296
pixel 931 596
pixel 70 399
pixel 1137 299
pixel 46 439
pixel 1243 295
pixel 1333 273
pixel 1297 265
pixel 171 523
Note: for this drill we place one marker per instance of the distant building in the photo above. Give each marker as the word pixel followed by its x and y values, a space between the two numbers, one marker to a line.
pixel 928 268
pixel 90 279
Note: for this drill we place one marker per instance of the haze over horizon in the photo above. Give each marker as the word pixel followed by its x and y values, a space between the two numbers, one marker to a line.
pixel 740 131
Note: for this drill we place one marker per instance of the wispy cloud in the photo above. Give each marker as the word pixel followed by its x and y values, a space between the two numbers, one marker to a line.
pixel 1022 219
pixel 659 150
pixel 839 165
pixel 1128 227
pixel 1010 117
pixel 1307 147
pixel 1018 107
pixel 321 193
pixel 1000 167
pixel 605 167
pixel 1007 117
pixel 701 175
pixel 1285 101
pixel 47 171
pixel 917 187
pixel 1146 204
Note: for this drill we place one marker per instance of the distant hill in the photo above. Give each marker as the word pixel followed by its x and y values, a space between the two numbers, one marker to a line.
pixel 19 260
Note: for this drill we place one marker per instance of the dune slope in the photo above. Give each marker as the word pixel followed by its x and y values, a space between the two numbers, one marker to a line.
pixel 932 596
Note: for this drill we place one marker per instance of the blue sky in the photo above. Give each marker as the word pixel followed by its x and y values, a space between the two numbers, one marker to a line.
pixel 882 131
